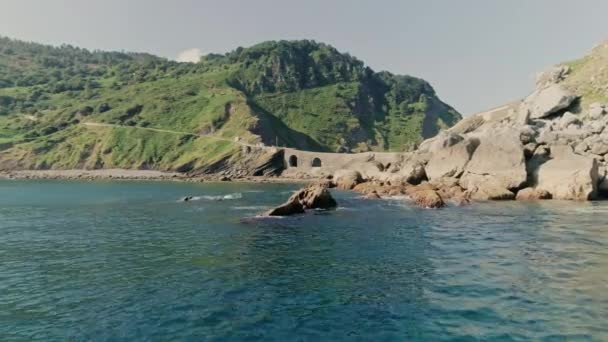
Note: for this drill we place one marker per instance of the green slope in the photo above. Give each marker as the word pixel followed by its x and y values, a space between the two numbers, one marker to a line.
pixel 179 116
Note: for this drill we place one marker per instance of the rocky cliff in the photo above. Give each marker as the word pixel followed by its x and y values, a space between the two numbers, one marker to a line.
pixel 552 144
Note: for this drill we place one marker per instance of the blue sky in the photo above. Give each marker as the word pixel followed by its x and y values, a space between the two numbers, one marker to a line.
pixel 477 54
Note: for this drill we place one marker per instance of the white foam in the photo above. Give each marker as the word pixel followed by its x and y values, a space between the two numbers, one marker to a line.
pixel 236 195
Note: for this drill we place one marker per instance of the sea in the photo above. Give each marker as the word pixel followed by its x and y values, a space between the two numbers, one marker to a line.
pixel 129 261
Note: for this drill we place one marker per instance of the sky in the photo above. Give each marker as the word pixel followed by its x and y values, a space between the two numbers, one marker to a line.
pixel 477 54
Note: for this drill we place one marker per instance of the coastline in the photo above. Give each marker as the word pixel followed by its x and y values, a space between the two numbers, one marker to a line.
pixel 137 175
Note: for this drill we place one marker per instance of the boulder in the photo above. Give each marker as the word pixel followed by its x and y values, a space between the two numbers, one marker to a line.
pixel 531 194
pixel 442 140
pixel 451 161
pixel 596 110
pixel 528 134
pixel 427 198
pixel 599 146
pixel 347 179
pixel 487 190
pixel 315 196
pixel 568 119
pixel 566 175
pixel 546 101
pixel 291 207
pixel 500 157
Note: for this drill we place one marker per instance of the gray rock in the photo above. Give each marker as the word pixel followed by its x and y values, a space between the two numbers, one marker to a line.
pixel 528 134
pixel 485 188
pixel 442 140
pixel 600 147
pixel 553 75
pixel 594 127
pixel 451 161
pixel 500 155
pixel 547 101
pixel 581 148
pixel 568 119
pixel 596 110
pixel 566 176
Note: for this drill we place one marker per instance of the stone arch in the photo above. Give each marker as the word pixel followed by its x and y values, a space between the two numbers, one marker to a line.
pixel 316 162
pixel 292 161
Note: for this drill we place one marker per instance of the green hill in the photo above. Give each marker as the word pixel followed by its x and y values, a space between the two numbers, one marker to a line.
pixel 66 107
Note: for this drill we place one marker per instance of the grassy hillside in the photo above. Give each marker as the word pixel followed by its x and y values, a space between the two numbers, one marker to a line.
pixel 65 107
pixel 588 76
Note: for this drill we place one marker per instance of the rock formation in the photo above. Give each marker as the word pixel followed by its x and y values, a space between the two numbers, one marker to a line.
pixel 552 144
pixel 315 196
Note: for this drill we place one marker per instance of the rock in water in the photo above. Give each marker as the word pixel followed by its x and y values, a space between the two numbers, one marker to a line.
pixel 427 199
pixel 531 194
pixel 426 196
pixel 315 196
pixel 291 207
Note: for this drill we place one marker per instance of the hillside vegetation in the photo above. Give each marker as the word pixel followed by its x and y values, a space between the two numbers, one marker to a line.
pixel 66 107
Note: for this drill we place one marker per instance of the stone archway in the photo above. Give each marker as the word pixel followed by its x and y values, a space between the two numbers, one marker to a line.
pixel 316 162
pixel 293 161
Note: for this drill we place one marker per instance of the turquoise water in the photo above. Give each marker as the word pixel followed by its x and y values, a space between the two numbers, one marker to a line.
pixel 125 261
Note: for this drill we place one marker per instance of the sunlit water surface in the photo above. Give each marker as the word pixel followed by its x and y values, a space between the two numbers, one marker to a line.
pixel 127 261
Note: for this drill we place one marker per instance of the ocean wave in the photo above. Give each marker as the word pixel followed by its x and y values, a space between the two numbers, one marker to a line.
pixel 227 197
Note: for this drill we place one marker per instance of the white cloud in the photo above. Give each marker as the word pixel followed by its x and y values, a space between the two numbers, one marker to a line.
pixel 189 55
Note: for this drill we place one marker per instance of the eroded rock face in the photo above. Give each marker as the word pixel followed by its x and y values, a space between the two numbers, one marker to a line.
pixel 315 196
pixel 500 157
pixel 546 101
pixel 566 175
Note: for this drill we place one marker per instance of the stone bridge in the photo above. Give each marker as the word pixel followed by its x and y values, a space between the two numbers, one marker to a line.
pixel 322 162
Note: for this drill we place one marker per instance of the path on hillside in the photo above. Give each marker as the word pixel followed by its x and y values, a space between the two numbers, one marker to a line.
pixel 98 124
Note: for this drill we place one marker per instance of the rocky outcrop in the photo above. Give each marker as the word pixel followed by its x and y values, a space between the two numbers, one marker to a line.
pixel 566 175
pixel 315 196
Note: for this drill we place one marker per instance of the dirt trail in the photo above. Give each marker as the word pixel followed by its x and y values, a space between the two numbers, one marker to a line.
pixel 98 124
